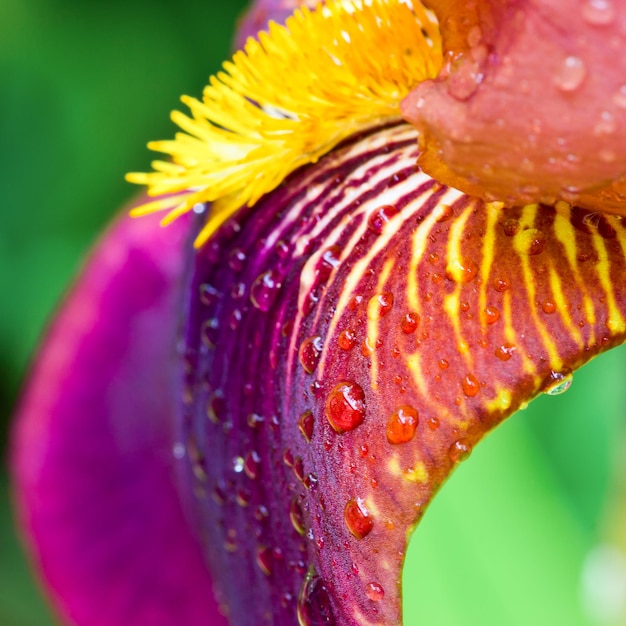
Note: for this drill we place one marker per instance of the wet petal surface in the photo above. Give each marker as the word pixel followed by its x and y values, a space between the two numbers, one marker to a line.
pixel 348 344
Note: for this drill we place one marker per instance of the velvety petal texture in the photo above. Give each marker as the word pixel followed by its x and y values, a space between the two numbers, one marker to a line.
pixel 348 342
pixel 94 475
pixel 531 102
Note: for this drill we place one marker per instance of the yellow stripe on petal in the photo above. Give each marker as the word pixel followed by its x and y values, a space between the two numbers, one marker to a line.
pixel 289 98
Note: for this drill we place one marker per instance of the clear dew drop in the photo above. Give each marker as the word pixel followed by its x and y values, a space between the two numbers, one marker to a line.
pixel 402 425
pixel 571 74
pixel 375 592
pixel 409 323
pixel 357 518
pixel 379 217
pixel 345 406
pixel 264 289
pixel 314 606
pixel 347 339
pixel 598 12
pixel 309 353
pixel 459 450
pixel 558 383
pixel 252 464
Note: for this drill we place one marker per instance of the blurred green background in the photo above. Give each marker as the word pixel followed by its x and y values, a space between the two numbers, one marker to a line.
pixel 512 540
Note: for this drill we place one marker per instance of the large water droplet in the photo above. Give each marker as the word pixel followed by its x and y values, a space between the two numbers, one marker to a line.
pixel 314 607
pixel 557 383
pixel 379 305
pixel 309 353
pixel 347 339
pixel 358 519
pixel 402 424
pixel 263 290
pixel 210 332
pixel 570 74
pixel 470 385
pixel 345 406
pixel 379 217
pixel 409 323
pixel 492 314
pixel 505 351
pixel 375 592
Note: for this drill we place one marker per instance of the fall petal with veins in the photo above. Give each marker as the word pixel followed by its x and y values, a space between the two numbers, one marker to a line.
pixel 348 343
pixel 529 103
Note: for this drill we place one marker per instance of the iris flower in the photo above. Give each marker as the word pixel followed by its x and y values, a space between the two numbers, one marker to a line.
pixel 387 232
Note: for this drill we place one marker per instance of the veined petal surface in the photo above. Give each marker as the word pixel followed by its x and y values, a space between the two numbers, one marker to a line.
pixel 348 343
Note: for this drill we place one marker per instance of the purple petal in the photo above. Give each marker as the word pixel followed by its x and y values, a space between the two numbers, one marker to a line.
pixel 348 342
pixel 92 448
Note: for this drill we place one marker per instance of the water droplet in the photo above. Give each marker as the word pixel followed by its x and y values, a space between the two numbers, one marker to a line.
pixel 505 351
pixel 460 450
pixel 298 468
pixel 464 78
pixel 501 285
pixel 314 607
pixel 358 519
pixel 510 227
pixel 461 271
pixel 530 241
pixel 236 259
pixel 210 332
pixel 557 383
pixel 571 74
pixel 345 406
pixel 263 290
pixel 409 323
pixel 309 353
pixel 235 319
pixel 548 307
pixel 379 305
pixel 598 12
pixel 470 385
pixel 443 364
pixel 282 249
pixel 402 425
pixel 375 592
pixel 265 559
pixel 238 464
pixel 254 420
pixel 252 464
pixel 208 294
pixel 216 407
pixel 297 516
pixel 379 217
pixel 305 424
pixel 492 314
pixel 288 458
pixel 347 339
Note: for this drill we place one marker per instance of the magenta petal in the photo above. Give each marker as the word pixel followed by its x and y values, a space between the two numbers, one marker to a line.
pixel 92 448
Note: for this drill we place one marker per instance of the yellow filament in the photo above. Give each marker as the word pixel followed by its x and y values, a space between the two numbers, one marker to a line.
pixel 286 100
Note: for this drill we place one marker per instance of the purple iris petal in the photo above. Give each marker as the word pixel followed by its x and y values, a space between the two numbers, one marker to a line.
pixel 92 450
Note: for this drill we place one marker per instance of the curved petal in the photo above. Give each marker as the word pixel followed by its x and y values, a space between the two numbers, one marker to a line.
pixel 92 447
pixel 348 343
pixel 531 103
